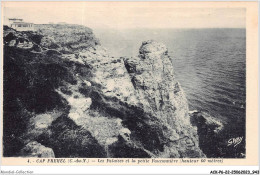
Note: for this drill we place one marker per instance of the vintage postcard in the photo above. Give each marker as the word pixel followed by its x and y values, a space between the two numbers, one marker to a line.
pixel 129 83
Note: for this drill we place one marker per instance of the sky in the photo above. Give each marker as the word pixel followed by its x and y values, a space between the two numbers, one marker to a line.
pixel 126 15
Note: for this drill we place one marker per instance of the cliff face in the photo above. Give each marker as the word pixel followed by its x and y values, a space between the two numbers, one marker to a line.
pixel 78 101
pixel 66 38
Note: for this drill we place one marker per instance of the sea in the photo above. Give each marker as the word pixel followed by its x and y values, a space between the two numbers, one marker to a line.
pixel 210 65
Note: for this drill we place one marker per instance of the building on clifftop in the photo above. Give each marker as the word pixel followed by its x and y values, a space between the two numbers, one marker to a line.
pixel 19 24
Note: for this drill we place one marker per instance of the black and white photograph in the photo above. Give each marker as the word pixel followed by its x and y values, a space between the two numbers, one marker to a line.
pixel 122 81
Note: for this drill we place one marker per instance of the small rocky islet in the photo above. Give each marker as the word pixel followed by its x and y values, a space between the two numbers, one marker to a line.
pixel 64 96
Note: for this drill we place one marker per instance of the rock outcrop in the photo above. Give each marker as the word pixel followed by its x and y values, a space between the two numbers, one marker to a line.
pixel 162 96
pixel 210 132
pixel 80 102
pixel 35 149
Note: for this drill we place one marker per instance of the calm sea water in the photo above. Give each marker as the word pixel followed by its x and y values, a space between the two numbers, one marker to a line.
pixel 210 64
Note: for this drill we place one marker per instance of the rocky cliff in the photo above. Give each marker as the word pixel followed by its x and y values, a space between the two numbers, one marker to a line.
pixel 64 96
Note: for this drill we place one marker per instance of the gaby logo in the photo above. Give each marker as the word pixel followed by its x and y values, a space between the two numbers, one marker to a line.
pixel 235 141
